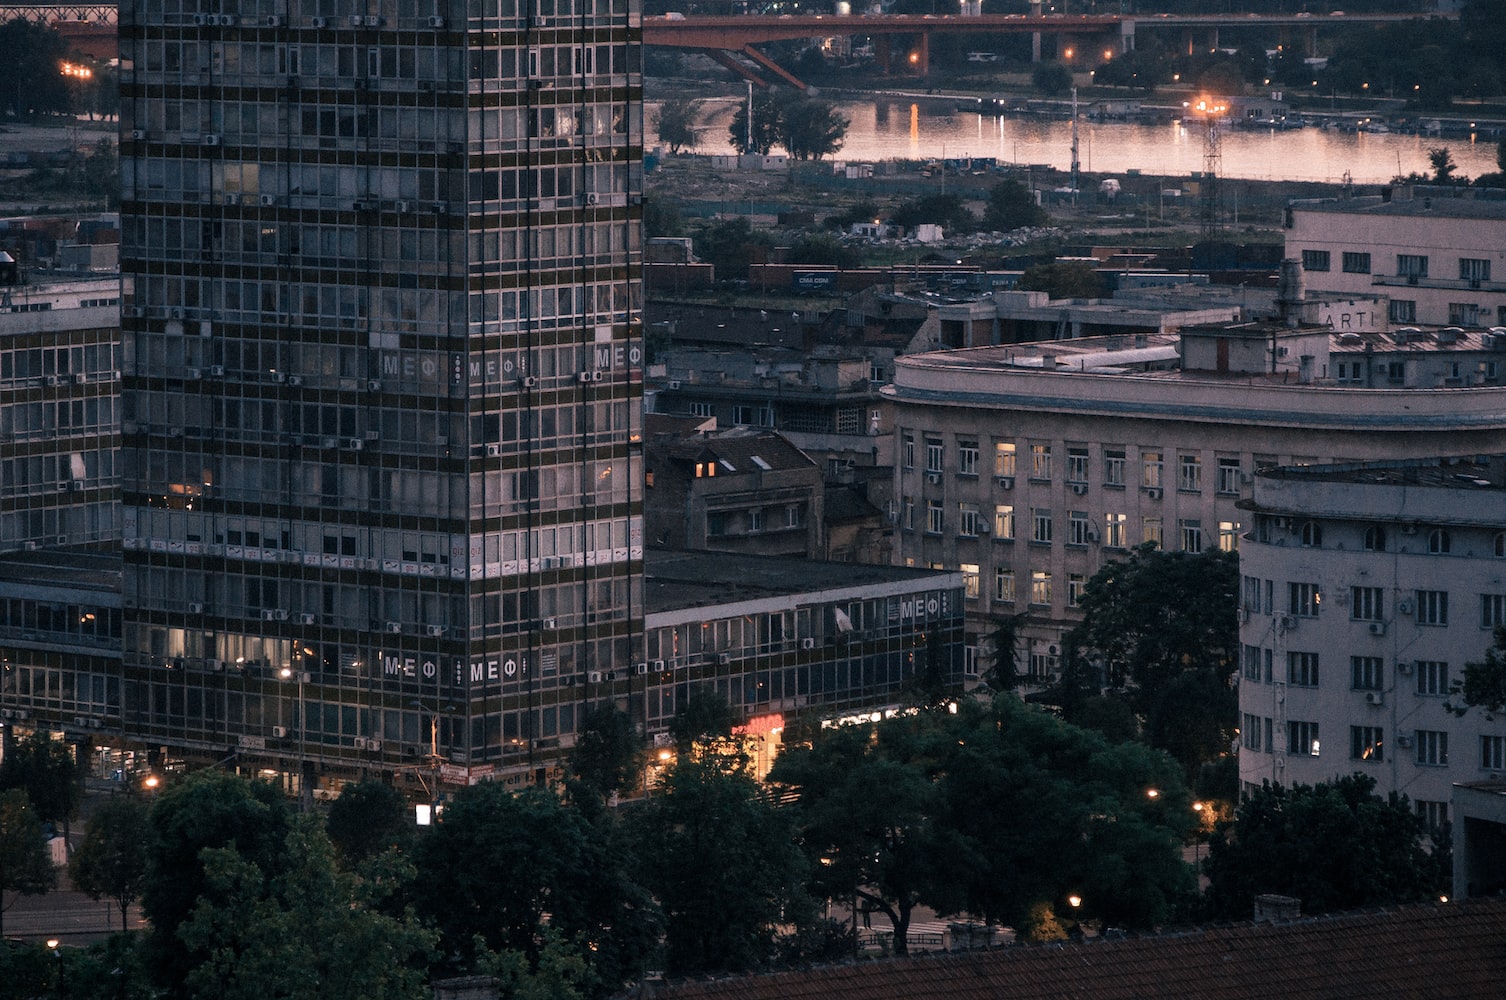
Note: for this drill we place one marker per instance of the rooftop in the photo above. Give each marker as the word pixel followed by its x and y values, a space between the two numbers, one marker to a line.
pixel 1456 950
pixel 1449 203
pixel 1480 473
pixel 678 580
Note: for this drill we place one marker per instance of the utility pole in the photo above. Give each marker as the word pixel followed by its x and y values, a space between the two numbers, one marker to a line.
pixel 1076 166
pixel 1213 165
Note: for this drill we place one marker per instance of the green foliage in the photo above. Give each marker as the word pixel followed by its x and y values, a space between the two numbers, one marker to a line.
pixel 1004 640
pixel 1021 785
pixel 1193 718
pixel 703 716
pixel 45 769
pixel 208 809
pixel 1484 683
pixel 111 862
pixel 863 211
pixel 25 866
pixel 810 129
pixel 1442 162
pixel 305 932
pixel 1148 618
pixel 368 818
pixel 560 973
pixel 1064 280
pixel 608 756
pixel 765 125
pixel 1335 846
pixel 1051 78
pixel 501 861
pixel 1138 69
pixel 1012 206
pixel 724 867
pixel 946 210
pixel 675 123
pixel 823 248
pixel 31 86
pixel 866 813
pixel 728 245
pixel 661 217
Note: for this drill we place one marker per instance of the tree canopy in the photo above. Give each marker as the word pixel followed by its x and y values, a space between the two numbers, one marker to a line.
pixel 608 756
pixel 765 134
pixel 368 818
pixel 46 770
pixel 304 932
pixel 111 862
pixel 810 129
pixel 25 866
pixel 724 867
pixel 1334 845
pixel 1012 206
pixel 1064 280
pixel 675 123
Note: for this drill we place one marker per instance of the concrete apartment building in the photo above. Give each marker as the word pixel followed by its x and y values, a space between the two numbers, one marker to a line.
pixel 1028 467
pixel 59 411
pixel 1438 254
pixel 1365 590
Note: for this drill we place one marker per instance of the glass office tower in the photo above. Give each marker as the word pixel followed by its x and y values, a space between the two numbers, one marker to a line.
pixel 381 365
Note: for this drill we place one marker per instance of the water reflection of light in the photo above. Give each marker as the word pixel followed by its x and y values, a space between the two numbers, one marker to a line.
pixel 914 127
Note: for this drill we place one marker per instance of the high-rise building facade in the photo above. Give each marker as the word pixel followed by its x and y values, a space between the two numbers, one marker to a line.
pixel 381 376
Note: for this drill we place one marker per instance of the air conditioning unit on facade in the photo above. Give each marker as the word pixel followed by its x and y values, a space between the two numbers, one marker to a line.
pixel 1375 698
pixel 1080 489
pixel 280 731
pixel 1377 628
pixel 807 643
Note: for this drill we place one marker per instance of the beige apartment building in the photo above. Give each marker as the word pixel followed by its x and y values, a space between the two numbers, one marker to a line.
pixel 1438 254
pixel 1365 590
pixel 1028 467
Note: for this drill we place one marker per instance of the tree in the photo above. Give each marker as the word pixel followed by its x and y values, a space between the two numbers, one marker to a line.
pixel 25 866
pixel 1011 206
pixel 31 85
pixel 1148 618
pixel 608 756
pixel 1064 280
pixel 306 932
pixel 1004 640
pixel 866 821
pixel 765 125
pixel 675 123
pixel 724 866
pixel 46 770
pixel 1335 846
pixel 368 818
pixel 661 217
pixel 112 860
pixel 728 245
pixel 945 210
pixel 703 716
pixel 501 861
pixel 208 809
pixel 1442 162
pixel 1484 683
pixel 810 129
pixel 1020 785
pixel 1051 78
pixel 822 248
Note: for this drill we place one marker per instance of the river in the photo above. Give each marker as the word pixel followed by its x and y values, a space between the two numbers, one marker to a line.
pixel 929 128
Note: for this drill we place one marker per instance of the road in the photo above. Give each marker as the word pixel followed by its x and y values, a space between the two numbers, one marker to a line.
pixel 65 914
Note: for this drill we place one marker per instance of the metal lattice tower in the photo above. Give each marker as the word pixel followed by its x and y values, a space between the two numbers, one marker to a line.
pixel 1213 166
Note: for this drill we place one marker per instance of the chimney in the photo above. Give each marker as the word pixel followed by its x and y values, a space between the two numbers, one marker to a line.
pixel 1270 908
pixel 1291 290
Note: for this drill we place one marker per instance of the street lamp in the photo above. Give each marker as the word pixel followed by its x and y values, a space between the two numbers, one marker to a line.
pixel 55 946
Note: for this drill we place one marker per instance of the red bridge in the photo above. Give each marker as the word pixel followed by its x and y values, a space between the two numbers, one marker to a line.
pixel 723 35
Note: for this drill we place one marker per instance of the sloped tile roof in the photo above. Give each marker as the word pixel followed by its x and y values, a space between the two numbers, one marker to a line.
pixel 1454 950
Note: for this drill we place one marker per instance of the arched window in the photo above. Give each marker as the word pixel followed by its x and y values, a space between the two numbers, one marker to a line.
pixel 1439 542
pixel 1312 534
pixel 1375 539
